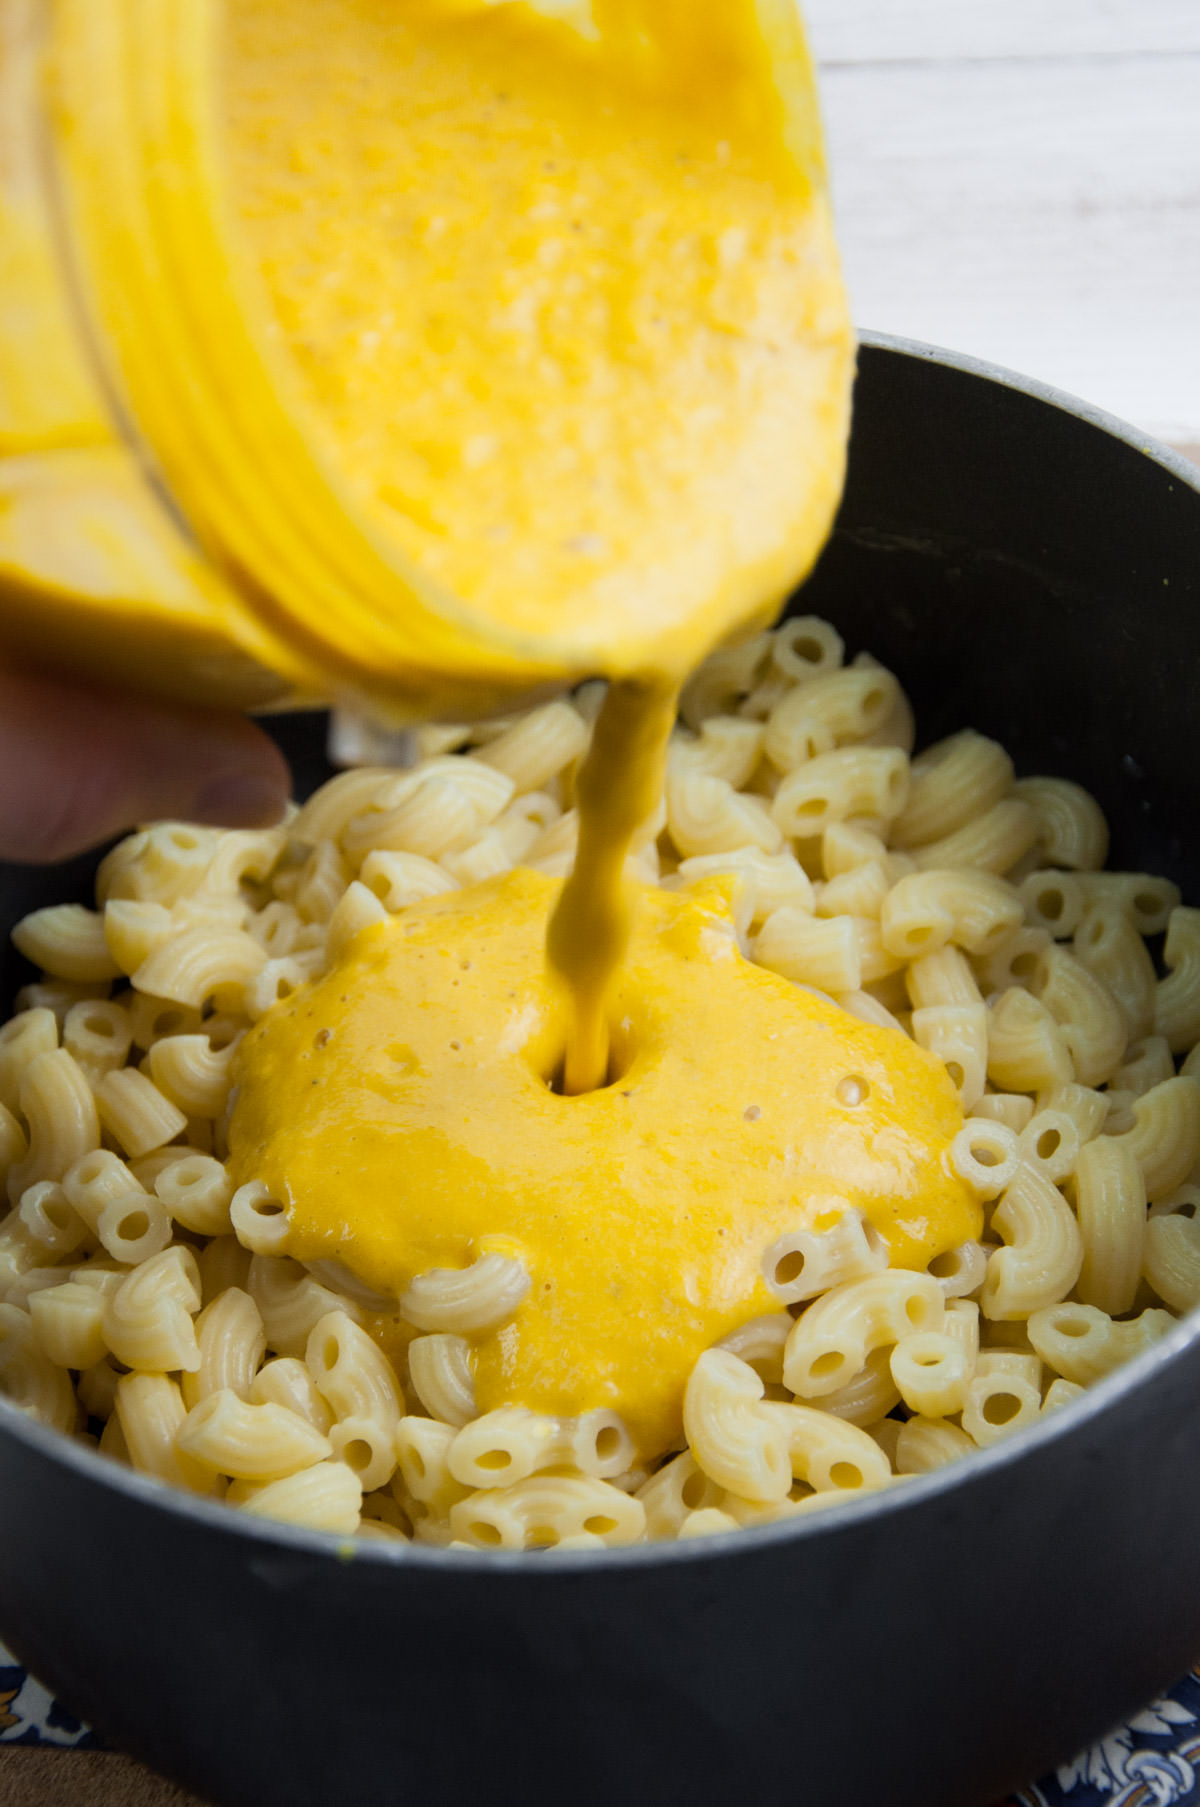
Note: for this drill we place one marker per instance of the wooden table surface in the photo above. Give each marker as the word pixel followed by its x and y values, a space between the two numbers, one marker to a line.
pixel 50 1778
pixel 1022 182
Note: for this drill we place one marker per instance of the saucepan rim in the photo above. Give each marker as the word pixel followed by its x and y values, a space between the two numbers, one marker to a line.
pixel 1063 400
pixel 1143 1371
pixel 544 1567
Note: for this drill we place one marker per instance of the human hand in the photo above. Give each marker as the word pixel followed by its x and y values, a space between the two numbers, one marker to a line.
pixel 79 764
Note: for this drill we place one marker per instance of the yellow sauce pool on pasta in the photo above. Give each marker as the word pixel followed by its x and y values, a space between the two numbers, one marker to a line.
pixel 400 1108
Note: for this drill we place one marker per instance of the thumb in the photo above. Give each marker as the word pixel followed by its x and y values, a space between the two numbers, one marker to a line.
pixel 79 764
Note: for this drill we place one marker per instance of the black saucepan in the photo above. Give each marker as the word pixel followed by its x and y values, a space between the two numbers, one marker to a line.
pixel 1031 568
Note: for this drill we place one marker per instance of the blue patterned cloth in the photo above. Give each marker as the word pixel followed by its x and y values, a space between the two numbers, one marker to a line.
pixel 29 1715
pixel 1152 1761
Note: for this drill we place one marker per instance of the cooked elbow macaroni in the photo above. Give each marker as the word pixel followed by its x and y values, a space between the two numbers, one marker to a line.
pixel 146 1302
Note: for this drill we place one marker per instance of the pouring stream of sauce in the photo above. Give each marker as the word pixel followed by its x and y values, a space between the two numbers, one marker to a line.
pixel 619 786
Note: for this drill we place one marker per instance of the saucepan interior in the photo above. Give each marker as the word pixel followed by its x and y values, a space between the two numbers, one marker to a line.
pixel 1028 569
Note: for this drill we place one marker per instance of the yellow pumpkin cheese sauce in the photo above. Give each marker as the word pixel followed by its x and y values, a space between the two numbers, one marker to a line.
pixel 563 293
pixel 401 1108
pixel 563 296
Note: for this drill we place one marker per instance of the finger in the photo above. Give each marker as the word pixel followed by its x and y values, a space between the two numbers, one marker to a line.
pixel 81 764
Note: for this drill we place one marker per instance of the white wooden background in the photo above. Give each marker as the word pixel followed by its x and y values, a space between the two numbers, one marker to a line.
pixel 1021 179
